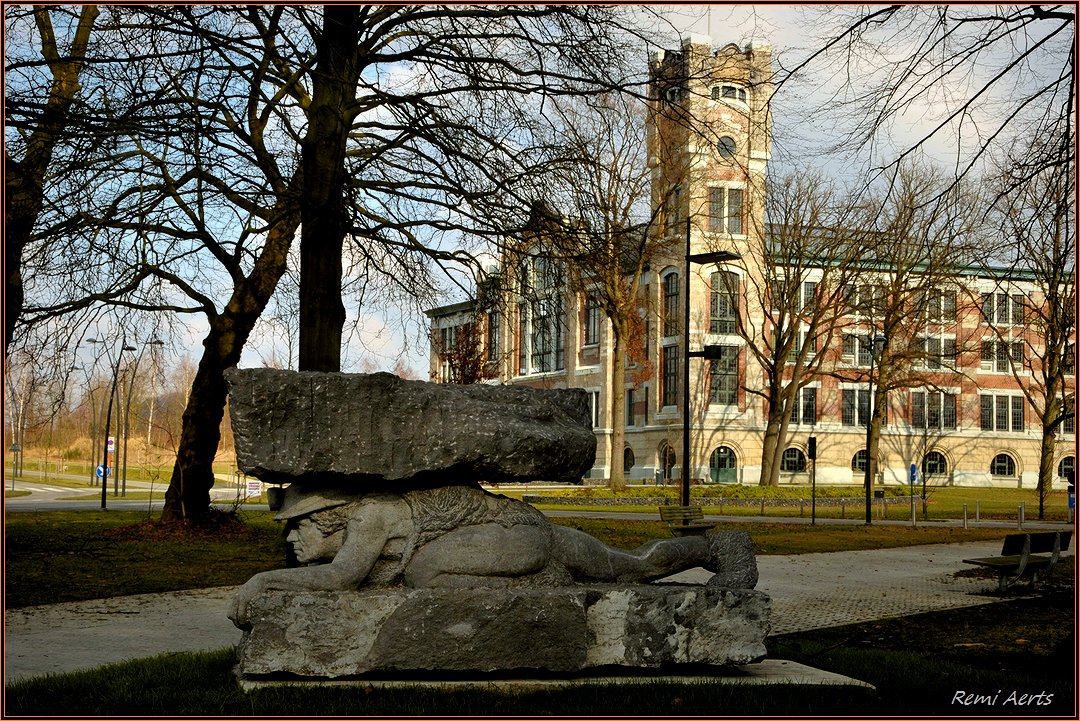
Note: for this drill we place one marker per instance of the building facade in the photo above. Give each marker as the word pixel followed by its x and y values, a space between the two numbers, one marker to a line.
pixel 964 408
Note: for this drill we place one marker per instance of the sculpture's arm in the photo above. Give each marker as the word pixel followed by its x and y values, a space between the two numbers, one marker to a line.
pixel 365 537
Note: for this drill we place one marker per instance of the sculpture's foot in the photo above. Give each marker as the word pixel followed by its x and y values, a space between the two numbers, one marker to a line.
pixel 731 558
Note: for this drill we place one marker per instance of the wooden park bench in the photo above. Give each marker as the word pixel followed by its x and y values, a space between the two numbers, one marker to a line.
pixel 684 520
pixel 1025 554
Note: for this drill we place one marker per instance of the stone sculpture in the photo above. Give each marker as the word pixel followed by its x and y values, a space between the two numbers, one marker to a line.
pixel 400 555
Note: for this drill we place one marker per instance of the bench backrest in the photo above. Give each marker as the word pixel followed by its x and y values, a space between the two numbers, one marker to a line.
pixel 1042 542
pixel 680 513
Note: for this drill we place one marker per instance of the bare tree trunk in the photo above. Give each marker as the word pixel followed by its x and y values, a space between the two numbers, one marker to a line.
pixel 188 495
pixel 617 475
pixel 1046 467
pixel 322 313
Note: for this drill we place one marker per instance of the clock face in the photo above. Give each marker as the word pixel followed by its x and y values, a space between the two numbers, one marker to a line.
pixel 726 146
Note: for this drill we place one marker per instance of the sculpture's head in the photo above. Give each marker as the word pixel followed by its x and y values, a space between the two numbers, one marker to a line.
pixel 316 518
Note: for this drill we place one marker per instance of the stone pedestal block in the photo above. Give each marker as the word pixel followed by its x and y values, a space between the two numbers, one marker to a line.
pixel 367 429
pixel 338 635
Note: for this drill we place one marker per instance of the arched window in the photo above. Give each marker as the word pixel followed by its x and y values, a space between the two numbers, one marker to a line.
pixel 722 465
pixel 627 459
pixel 729 92
pixel 934 464
pixel 667 461
pixel 858 461
pixel 793 461
pixel 1067 468
pixel 1003 465
pixel 725 146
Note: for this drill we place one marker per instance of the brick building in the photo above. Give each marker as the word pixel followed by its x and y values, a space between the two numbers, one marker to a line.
pixel 961 415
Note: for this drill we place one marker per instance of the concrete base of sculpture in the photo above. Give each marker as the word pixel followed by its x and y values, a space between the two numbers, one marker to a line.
pixel 524 632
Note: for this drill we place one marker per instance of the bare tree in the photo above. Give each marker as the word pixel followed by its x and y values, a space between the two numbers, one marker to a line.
pixel 39 118
pixel 414 121
pixel 906 290
pixel 983 74
pixel 796 275
pixel 1037 221
pixel 603 232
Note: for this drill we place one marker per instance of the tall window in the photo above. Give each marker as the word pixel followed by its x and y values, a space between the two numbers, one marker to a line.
pixel 726 210
pixel 1069 409
pixel 669 393
pixel 809 296
pixel 855 407
pixel 1067 468
pixel 723 302
pixel 628 459
pixel 858 461
pixel 933 409
pixel 592 321
pixel 675 210
pixel 804 408
pixel 1001 413
pixel 724 377
pixel 493 335
pixel 594 407
pixel 629 406
pixel 999 355
pixel 856 350
pixel 938 352
pixel 547 341
pixel 671 305
pixel 1003 308
pixel 939 306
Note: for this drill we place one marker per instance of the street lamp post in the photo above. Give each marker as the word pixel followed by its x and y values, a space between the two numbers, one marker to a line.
pixel 708 352
pixel 127 406
pixel 108 416
pixel 877 345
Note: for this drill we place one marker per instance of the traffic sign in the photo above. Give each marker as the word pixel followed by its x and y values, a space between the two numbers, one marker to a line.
pixel 111 445
pixel 103 471
pixel 914 473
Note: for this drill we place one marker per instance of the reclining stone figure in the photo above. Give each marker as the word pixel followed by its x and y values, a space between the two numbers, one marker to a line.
pixel 462 536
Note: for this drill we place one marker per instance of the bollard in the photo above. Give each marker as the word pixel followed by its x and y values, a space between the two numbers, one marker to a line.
pixel 1020 516
pixel 914 523
pixel 802 505
pixel 976 511
pixel 965 516
pixel 763 506
pixel 842 507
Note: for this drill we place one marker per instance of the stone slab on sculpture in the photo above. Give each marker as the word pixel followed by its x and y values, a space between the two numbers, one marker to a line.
pixel 321 634
pixel 371 428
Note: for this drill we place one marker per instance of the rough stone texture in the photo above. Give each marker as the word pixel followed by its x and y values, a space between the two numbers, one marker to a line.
pixel 567 630
pixel 739 565
pixel 366 428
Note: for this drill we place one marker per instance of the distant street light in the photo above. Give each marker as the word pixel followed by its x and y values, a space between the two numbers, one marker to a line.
pixel 709 352
pixel 877 346
pixel 108 414
pixel 127 407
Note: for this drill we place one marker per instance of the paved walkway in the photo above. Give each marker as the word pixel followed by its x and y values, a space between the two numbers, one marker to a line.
pixel 808 591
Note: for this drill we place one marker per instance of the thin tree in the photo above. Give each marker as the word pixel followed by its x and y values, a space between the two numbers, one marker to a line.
pixel 796 274
pixel 603 233
pixel 1037 221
